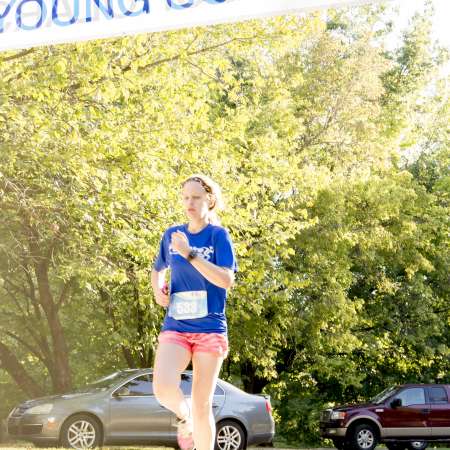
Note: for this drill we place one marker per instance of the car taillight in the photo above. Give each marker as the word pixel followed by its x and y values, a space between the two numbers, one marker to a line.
pixel 268 406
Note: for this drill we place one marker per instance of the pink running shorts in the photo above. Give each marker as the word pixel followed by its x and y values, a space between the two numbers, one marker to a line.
pixel 197 342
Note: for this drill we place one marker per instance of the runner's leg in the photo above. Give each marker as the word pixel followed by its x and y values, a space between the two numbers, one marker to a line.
pixel 170 362
pixel 206 368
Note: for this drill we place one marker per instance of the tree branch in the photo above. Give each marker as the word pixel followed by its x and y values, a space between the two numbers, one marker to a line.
pixel 16 301
pixel 17 55
pixel 64 292
pixel 203 72
pixel 33 350
pixel 15 369
pixel 173 58
pixel 196 52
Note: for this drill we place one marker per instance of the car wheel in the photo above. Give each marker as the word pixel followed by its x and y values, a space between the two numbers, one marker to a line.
pixel 230 436
pixel 396 445
pixel 363 437
pixel 81 431
pixel 417 445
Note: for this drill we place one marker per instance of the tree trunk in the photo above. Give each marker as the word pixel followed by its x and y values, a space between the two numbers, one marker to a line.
pixel 12 365
pixel 63 381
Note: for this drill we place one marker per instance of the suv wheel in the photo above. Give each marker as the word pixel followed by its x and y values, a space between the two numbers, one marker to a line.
pixel 363 437
pixel 81 431
pixel 417 445
pixel 230 436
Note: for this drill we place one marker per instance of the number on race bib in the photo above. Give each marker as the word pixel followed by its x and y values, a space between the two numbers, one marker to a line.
pixel 186 308
pixel 188 305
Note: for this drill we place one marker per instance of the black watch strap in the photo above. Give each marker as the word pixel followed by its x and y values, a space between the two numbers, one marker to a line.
pixel 192 254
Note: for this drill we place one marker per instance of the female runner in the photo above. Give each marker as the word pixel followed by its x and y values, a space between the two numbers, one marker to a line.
pixel 202 265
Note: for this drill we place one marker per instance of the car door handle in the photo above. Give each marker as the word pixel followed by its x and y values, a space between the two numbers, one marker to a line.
pixel 215 406
pixel 425 410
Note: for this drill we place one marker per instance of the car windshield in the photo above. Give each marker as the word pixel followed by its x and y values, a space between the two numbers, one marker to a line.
pixel 382 396
pixel 105 382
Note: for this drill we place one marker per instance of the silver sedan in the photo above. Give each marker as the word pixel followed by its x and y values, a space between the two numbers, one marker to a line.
pixel 121 409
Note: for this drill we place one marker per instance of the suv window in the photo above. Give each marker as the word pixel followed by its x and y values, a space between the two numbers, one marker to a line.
pixel 140 386
pixel 438 395
pixel 412 396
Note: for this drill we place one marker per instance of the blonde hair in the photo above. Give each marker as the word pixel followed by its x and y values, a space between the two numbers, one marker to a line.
pixel 213 190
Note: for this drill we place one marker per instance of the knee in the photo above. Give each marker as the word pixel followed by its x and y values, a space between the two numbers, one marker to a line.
pixel 162 388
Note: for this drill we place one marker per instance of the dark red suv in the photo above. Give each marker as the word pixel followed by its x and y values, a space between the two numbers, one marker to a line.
pixel 403 417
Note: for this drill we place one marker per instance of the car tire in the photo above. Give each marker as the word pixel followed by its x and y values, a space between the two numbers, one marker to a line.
pixel 81 431
pixel 396 445
pixel 363 437
pixel 416 445
pixel 230 436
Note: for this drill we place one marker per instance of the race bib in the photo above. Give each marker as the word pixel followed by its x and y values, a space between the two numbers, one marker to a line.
pixel 188 305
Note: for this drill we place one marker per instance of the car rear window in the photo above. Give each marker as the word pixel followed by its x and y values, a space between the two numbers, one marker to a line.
pixel 438 395
pixel 140 386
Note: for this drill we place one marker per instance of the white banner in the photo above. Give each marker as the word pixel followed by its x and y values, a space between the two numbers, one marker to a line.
pixel 27 23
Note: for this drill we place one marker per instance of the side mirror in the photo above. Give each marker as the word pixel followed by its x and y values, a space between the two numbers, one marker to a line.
pixel 122 392
pixel 397 402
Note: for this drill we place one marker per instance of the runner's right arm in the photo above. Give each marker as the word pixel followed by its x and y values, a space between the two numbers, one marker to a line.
pixel 160 287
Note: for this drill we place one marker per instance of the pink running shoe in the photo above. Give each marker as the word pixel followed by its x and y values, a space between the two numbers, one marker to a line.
pixel 184 434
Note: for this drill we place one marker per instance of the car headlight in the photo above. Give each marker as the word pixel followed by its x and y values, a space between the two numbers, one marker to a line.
pixel 338 415
pixel 45 408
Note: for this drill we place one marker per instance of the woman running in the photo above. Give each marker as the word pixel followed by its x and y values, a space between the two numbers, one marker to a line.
pixel 202 265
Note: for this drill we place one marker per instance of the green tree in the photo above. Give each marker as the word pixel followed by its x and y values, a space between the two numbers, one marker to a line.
pixel 308 125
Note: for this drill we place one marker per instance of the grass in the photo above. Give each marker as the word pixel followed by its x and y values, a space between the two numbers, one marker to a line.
pixel 25 445
pixel 14 446
pixel 30 446
pixel 278 446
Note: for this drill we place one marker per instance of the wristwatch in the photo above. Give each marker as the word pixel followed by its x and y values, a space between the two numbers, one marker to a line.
pixel 192 254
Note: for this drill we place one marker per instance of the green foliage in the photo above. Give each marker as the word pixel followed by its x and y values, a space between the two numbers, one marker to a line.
pixel 339 225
